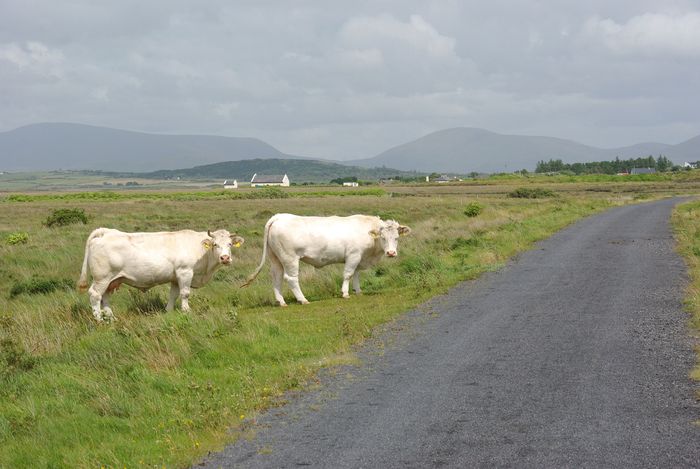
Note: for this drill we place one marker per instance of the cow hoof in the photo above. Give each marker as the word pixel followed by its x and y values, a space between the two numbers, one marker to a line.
pixel 346 296
pixel 283 305
pixel 305 302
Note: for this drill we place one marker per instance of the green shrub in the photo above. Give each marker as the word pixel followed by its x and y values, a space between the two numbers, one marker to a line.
pixel 146 303
pixel 473 209
pixel 66 216
pixel 271 192
pixel 19 237
pixel 13 357
pixel 531 193
pixel 37 286
pixel 462 243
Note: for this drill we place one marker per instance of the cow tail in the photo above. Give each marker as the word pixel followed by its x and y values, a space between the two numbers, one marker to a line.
pixel 82 282
pixel 252 276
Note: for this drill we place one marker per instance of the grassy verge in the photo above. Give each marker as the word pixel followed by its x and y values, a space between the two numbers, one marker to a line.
pixel 686 221
pixel 163 389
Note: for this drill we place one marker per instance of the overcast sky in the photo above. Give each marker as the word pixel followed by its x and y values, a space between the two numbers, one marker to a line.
pixel 349 79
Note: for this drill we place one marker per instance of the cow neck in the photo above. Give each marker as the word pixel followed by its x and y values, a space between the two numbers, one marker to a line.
pixel 377 250
pixel 210 261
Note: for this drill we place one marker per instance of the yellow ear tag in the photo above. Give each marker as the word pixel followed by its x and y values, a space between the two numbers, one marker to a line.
pixel 237 245
pixel 207 245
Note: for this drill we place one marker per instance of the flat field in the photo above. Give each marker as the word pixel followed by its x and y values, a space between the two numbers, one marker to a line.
pixel 157 388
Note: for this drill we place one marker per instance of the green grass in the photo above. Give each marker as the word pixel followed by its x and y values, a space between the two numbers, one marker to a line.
pixel 157 388
pixel 686 222
pixel 262 193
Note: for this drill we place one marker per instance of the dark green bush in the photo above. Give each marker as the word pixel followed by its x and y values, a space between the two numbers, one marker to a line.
pixel 531 193
pixel 473 209
pixel 37 286
pixel 461 243
pixel 147 303
pixel 271 192
pixel 66 216
pixel 13 357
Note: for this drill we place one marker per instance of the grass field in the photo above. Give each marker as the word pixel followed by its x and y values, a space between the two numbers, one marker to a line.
pixel 162 389
pixel 686 221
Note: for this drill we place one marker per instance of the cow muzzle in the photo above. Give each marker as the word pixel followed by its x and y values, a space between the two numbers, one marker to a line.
pixel 391 254
pixel 225 259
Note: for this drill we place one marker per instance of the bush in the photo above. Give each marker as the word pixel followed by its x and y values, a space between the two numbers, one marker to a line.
pixel 66 216
pixel 19 237
pixel 270 192
pixel 36 286
pixel 528 193
pixel 473 209
pixel 146 303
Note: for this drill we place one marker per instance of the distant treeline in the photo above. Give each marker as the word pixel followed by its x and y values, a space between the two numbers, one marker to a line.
pixel 615 166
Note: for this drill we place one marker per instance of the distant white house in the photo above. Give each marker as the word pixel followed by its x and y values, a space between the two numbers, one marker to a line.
pixel 643 171
pixel 269 180
pixel 685 165
pixel 231 184
pixel 443 179
pixel 350 184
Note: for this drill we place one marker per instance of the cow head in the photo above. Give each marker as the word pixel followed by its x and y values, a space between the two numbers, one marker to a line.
pixel 387 235
pixel 220 243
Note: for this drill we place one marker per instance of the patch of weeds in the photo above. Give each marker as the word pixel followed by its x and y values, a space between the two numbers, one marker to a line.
pixel 531 193
pixel 80 309
pixel 146 303
pixel 66 216
pixel 269 193
pixel 234 298
pixel 417 264
pixel 380 270
pixel 387 215
pixel 641 196
pixel 13 357
pixel 37 286
pixel 461 243
pixel 473 209
pixel 263 214
pixel 19 237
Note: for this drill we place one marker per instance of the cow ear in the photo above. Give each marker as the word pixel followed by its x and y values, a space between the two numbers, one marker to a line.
pixel 237 240
pixel 374 234
pixel 207 243
pixel 404 230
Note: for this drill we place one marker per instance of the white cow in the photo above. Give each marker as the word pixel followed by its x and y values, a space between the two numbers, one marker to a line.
pixel 359 241
pixel 143 260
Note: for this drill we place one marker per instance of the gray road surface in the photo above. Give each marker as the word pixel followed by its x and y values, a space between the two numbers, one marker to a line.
pixel 575 355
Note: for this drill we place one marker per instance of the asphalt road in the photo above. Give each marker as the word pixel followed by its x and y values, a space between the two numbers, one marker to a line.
pixel 574 355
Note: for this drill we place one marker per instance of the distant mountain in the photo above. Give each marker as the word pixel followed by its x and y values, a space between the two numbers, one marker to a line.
pixel 297 170
pixel 464 149
pixel 460 150
pixel 77 146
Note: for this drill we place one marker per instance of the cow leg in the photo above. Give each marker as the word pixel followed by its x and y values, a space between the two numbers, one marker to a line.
pixel 291 274
pixel 174 293
pixel 108 314
pixel 184 280
pixel 356 282
pixel 277 273
pixel 349 270
pixel 97 289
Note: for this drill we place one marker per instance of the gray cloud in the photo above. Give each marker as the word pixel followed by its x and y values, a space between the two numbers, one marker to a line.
pixel 348 80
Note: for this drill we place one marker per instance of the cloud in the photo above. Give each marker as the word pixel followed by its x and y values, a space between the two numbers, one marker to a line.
pixel 649 34
pixel 385 32
pixel 33 56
